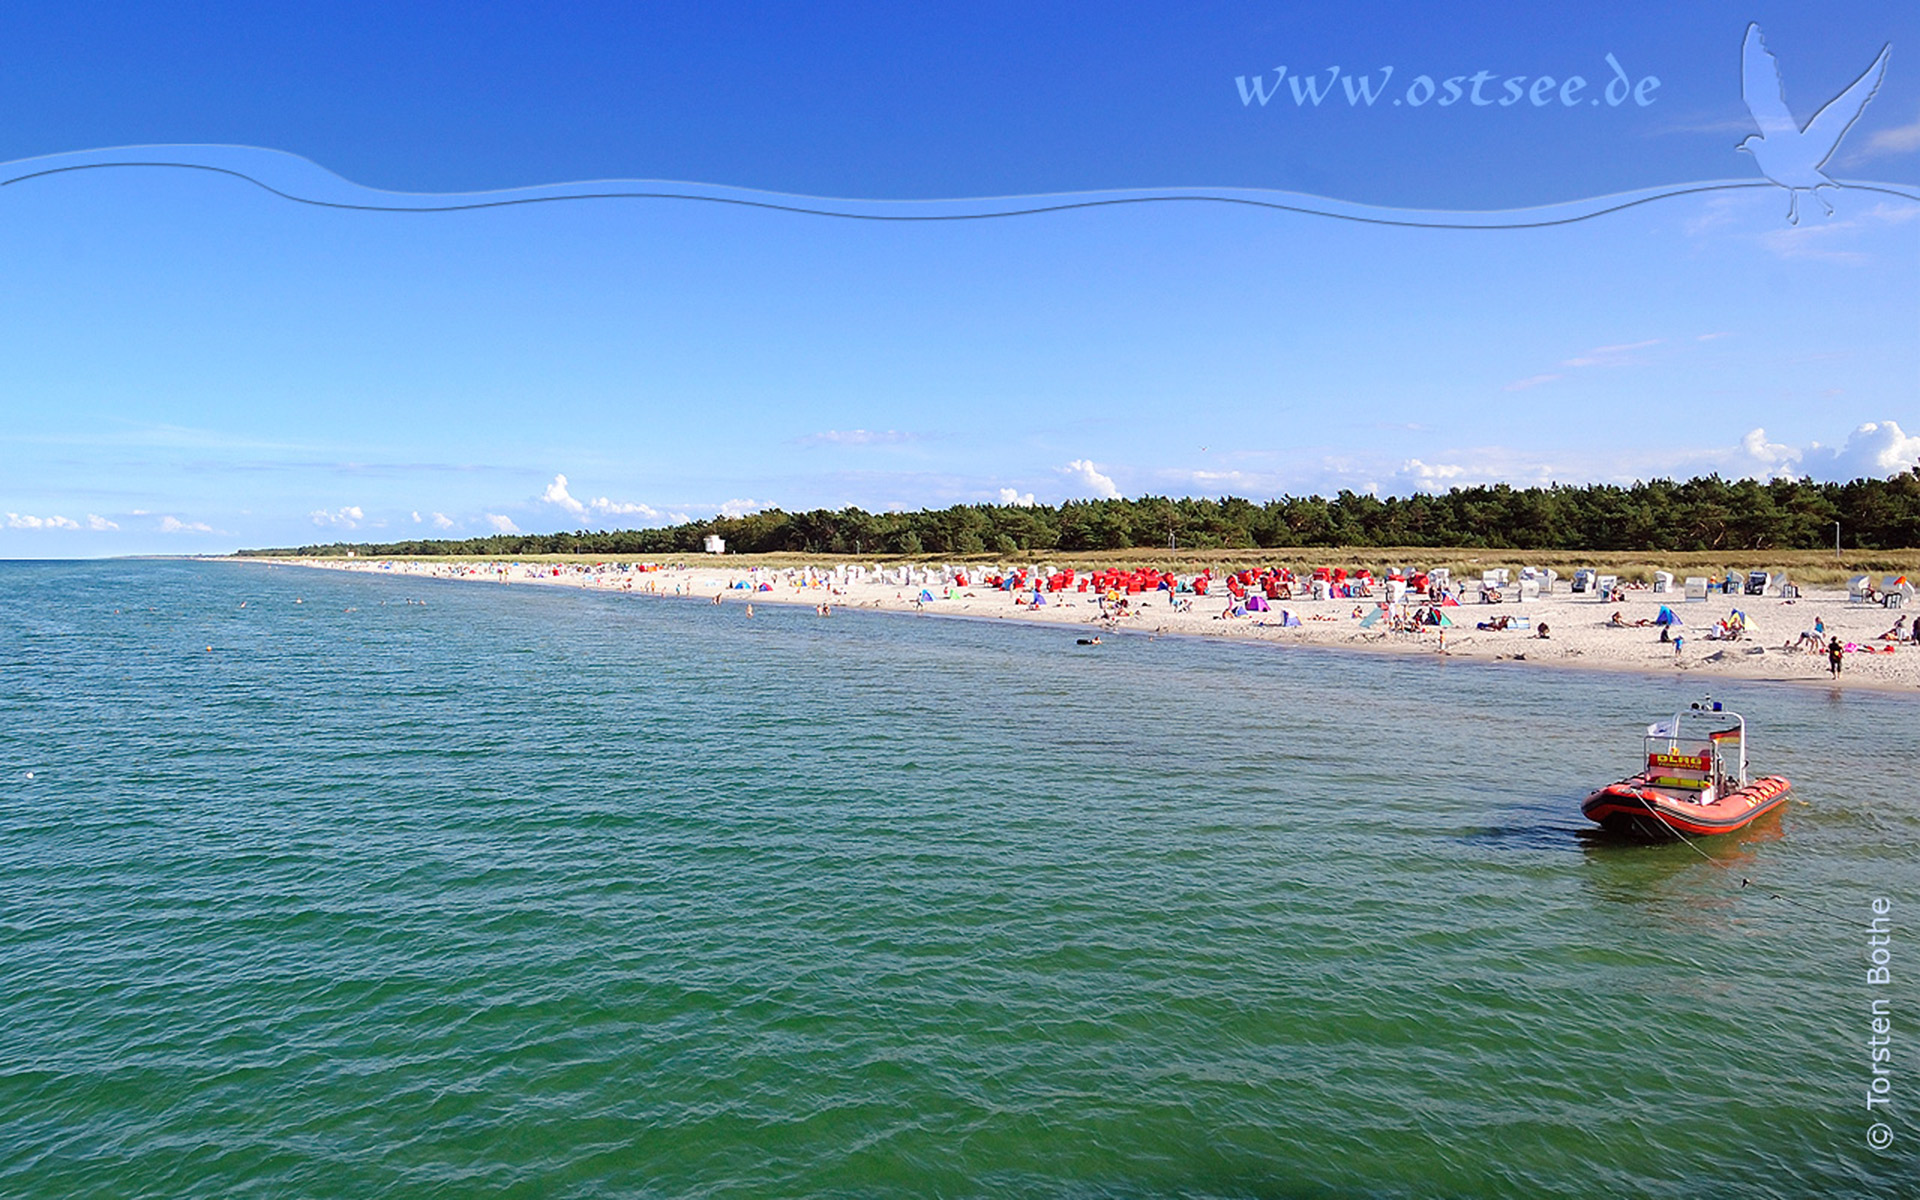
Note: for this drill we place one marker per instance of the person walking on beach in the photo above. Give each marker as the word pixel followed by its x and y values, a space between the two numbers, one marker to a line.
pixel 1834 654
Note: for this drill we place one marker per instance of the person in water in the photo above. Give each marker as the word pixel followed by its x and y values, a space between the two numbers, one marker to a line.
pixel 1834 656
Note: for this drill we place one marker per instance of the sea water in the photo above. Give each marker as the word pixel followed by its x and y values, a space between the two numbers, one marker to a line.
pixel 315 884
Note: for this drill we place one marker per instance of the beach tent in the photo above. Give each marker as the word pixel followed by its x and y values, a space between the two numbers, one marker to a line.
pixel 925 594
pixel 1667 617
pixel 1287 619
pixel 1257 603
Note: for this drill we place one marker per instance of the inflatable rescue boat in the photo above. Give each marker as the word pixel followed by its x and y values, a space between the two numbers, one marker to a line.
pixel 1692 785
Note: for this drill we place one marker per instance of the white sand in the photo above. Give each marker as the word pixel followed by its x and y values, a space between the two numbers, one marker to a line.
pixel 1579 633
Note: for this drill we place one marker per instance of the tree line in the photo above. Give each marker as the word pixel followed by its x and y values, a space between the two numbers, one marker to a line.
pixel 1707 513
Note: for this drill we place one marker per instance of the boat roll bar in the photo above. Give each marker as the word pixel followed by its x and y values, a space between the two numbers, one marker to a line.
pixel 1706 709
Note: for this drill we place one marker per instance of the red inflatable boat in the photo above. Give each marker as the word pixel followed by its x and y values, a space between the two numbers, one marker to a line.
pixel 1692 785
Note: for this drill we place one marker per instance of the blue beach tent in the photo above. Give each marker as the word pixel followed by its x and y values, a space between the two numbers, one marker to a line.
pixel 1667 617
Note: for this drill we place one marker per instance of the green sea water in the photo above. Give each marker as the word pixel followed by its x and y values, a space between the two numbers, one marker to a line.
pixel 533 892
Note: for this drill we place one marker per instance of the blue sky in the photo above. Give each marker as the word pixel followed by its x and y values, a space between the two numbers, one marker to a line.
pixel 191 364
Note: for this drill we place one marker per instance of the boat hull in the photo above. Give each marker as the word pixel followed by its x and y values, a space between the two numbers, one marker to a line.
pixel 1638 808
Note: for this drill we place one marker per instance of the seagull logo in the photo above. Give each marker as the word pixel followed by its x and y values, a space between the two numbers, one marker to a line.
pixel 1788 154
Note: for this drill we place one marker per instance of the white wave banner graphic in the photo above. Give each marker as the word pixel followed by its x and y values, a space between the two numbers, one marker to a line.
pixel 303 181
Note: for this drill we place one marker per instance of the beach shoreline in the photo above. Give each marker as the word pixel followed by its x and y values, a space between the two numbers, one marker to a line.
pixel 1580 636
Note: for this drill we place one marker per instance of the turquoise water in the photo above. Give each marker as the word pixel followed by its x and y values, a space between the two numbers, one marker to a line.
pixel 534 892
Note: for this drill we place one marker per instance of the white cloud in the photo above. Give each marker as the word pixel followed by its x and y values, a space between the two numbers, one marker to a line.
pixel 442 521
pixel 1887 143
pixel 1521 385
pixel 856 437
pixel 98 524
pixel 1622 354
pixel 1431 477
pixel 740 508
pixel 1758 458
pixel 1829 239
pixel 615 508
pixel 176 525
pixel 1610 356
pixel 1718 212
pixel 556 493
pixel 1705 125
pixel 345 518
pixel 18 521
pixel 416 516
pixel 1014 499
pixel 1215 481
pixel 1877 449
pixel 1083 470
pixel 1812 243
pixel 502 524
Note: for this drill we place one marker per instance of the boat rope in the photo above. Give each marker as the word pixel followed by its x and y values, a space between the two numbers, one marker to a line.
pixel 1745 882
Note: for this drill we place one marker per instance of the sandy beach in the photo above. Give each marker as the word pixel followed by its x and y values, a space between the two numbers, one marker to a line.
pixel 1579 630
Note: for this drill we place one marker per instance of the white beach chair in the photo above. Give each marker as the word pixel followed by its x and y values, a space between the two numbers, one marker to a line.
pixel 1696 587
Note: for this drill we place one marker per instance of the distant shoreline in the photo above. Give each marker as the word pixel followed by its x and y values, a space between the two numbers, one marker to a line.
pixel 1579 634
